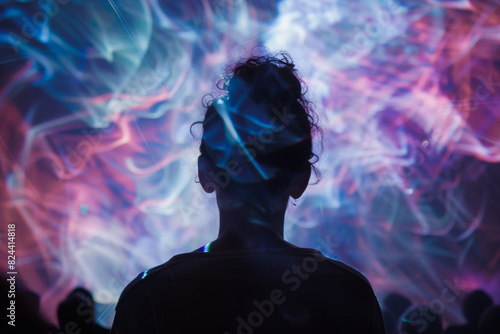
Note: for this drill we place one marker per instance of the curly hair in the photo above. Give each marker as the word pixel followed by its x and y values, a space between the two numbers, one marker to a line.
pixel 257 90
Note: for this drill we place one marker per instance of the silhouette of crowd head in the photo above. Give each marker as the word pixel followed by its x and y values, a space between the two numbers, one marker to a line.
pixel 260 132
pixel 490 321
pixel 76 312
pixel 475 304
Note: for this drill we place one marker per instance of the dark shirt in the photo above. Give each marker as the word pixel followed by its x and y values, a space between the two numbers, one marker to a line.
pixel 97 329
pixel 281 290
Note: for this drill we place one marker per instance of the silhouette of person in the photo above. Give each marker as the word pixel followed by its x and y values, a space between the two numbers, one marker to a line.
pixel 473 307
pixel 76 313
pixel 489 323
pixel 420 320
pixel 255 153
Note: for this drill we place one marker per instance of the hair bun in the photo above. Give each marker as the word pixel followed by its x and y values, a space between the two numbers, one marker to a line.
pixel 273 81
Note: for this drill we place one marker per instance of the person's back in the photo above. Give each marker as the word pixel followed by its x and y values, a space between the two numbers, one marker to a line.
pixel 282 290
pixel 255 154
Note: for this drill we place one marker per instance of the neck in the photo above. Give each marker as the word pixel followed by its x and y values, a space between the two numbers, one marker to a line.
pixel 251 226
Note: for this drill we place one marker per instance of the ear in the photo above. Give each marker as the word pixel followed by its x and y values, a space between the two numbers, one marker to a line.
pixel 301 182
pixel 204 167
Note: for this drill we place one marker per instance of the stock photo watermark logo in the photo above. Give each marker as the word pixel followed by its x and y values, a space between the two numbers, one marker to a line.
pixel 425 315
pixel 378 24
pixel 33 26
pixel 482 92
pixel 447 120
pixel 292 278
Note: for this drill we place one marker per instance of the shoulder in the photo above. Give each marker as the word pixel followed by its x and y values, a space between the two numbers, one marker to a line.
pixel 340 268
pixel 140 285
pixel 351 271
pixel 141 300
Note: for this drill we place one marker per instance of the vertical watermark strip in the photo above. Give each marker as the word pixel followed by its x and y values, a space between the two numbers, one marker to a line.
pixel 11 274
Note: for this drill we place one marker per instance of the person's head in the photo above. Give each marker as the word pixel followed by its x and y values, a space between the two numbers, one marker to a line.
pixel 420 320
pixel 259 135
pixel 76 312
pixel 83 293
pixel 474 305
